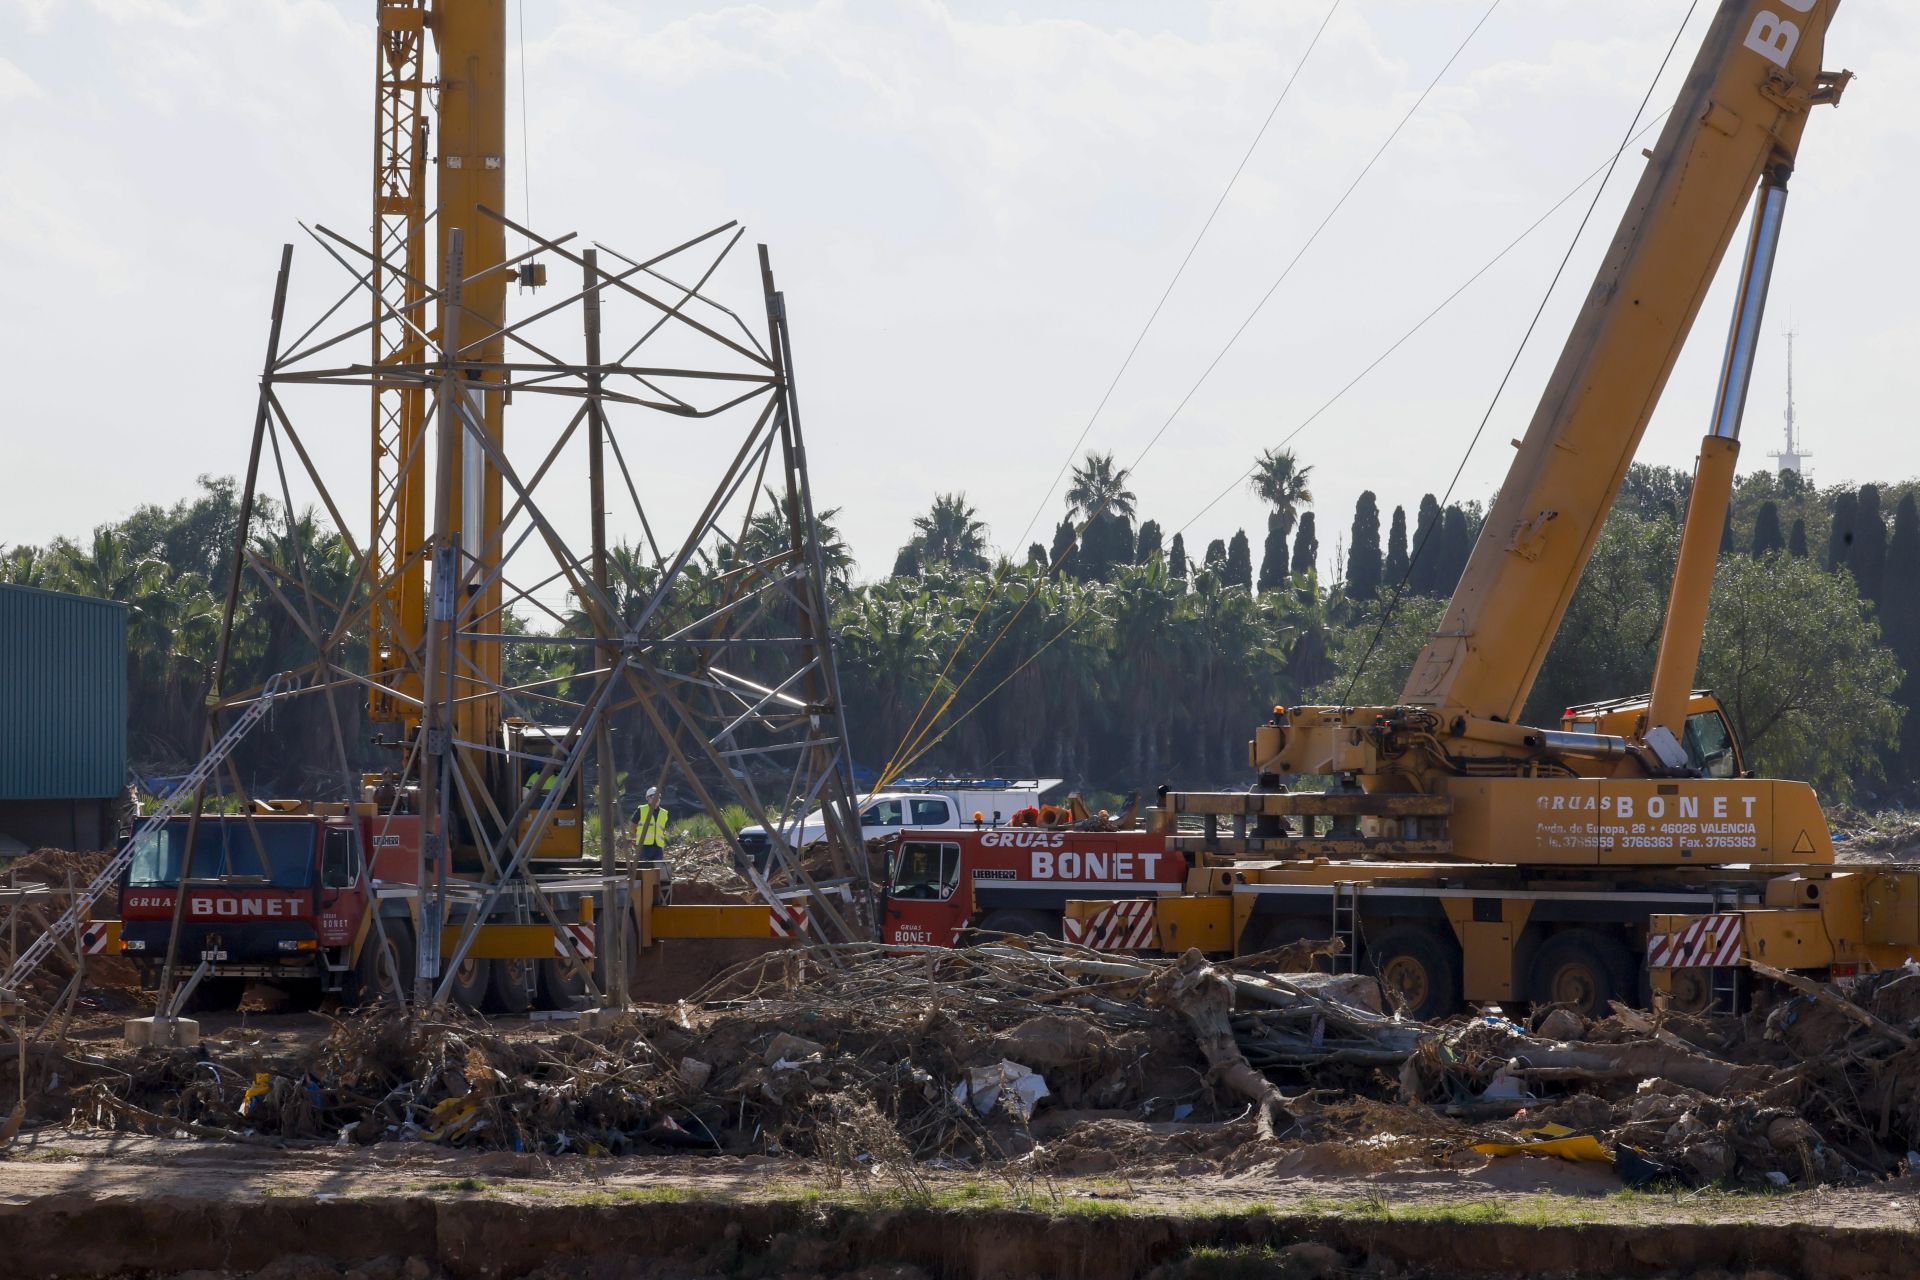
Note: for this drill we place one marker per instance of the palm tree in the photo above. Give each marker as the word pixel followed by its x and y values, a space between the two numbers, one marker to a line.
pixel 767 537
pixel 950 533
pixel 1100 488
pixel 1281 482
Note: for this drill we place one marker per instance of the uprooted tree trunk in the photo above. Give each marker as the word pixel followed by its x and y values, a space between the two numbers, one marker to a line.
pixel 1202 995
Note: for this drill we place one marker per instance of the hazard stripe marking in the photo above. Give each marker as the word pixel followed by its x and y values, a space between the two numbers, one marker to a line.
pixel 573 942
pixel 1709 942
pixel 1119 926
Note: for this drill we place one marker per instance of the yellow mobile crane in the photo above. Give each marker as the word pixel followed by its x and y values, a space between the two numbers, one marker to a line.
pixel 1472 856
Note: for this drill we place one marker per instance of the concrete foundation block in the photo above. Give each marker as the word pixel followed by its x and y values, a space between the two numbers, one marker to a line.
pixel 162 1033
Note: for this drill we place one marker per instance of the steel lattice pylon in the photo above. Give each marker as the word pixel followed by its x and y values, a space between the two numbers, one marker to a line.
pixel 714 650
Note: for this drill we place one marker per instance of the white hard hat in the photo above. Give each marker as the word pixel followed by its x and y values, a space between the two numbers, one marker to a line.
pixel 653 793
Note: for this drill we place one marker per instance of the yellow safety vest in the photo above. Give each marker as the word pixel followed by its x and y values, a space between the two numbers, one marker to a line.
pixel 650 825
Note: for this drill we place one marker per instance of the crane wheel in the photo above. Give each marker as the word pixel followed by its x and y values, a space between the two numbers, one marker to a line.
pixel 1418 969
pixel 1691 991
pixel 1583 969
pixel 1270 933
pixel 1021 922
pixel 470 982
pixel 507 989
pixel 561 985
pixel 373 977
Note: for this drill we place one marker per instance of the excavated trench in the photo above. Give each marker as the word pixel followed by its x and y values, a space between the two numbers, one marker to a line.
pixel 420 1238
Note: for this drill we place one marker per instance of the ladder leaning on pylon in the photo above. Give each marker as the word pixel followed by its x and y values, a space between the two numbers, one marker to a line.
pixel 41 947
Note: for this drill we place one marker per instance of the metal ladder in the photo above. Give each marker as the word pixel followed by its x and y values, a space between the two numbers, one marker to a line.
pixel 44 945
pixel 1725 979
pixel 1346 924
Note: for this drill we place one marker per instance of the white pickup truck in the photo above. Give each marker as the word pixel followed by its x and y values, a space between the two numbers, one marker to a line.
pixel 919 804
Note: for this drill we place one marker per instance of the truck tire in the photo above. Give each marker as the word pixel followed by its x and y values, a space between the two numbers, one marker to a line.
pixel 1583 969
pixel 1419 970
pixel 560 985
pixel 1021 922
pixel 471 982
pixel 507 987
pixel 1269 933
pixel 373 978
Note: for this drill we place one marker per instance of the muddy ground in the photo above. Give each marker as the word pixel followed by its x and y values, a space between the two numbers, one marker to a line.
pixel 88 1204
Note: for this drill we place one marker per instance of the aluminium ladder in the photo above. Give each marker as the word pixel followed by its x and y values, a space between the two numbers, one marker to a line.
pixel 42 947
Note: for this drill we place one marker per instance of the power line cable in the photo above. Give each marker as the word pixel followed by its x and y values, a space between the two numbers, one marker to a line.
pixel 1301 252
pixel 1179 271
pixel 911 747
pixel 1422 323
pixel 1386 614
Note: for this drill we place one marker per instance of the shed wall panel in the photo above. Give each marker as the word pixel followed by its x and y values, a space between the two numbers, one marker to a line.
pixel 63 695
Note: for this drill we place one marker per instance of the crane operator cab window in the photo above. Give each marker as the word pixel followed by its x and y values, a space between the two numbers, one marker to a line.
pixel 1709 746
pixel 926 872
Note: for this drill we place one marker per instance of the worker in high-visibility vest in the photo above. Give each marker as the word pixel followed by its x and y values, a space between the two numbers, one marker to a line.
pixel 650 828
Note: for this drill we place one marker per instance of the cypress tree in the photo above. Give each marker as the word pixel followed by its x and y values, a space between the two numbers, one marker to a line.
pixel 1456 544
pixel 1840 537
pixel 1177 558
pixel 1766 530
pixel 1216 557
pixel 1395 569
pixel 1107 541
pixel 1797 540
pixel 1869 556
pixel 1363 549
pixel 1149 544
pixel 1426 548
pixel 1306 546
pixel 1273 554
pixel 1062 557
pixel 1239 570
pixel 907 563
pixel 1900 621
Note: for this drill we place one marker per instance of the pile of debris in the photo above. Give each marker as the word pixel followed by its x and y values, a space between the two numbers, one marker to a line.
pixel 868 1056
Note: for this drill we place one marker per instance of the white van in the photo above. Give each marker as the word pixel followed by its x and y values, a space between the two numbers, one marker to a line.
pixel 919 804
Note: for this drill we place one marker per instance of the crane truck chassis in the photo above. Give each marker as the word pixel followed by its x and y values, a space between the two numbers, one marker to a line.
pixel 1468 855
pixel 306 900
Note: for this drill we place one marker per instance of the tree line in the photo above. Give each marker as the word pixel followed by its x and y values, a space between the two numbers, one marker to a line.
pixel 1113 656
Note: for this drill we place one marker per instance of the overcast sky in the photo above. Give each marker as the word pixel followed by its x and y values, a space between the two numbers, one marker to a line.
pixel 972 208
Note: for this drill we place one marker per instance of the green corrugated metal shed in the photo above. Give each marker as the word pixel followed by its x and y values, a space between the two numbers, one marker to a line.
pixel 63 695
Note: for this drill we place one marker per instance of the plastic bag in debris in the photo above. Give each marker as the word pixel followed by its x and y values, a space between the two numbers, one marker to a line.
pixel 1504 1087
pixel 983 1086
pixel 1550 1140
pixel 262 1084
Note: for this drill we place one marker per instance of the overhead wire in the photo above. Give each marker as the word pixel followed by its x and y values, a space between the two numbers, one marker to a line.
pixel 914 743
pixel 1308 244
pixel 1422 323
pixel 1399 590
pixel 914 728
pixel 1179 271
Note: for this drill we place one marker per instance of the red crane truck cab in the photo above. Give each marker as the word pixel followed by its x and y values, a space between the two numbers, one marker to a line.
pixel 273 896
pixel 1015 879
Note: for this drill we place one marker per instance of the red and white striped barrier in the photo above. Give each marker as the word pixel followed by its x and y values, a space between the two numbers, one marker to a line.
pixel 95 937
pixel 1118 926
pixel 788 920
pixel 1709 942
pixel 573 942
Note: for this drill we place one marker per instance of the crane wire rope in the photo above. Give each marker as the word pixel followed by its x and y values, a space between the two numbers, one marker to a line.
pixel 911 747
pixel 1075 620
pixel 1399 589
pixel 1420 324
pixel 914 727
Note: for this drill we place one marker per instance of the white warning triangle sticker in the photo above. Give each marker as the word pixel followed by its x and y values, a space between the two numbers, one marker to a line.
pixel 1804 844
